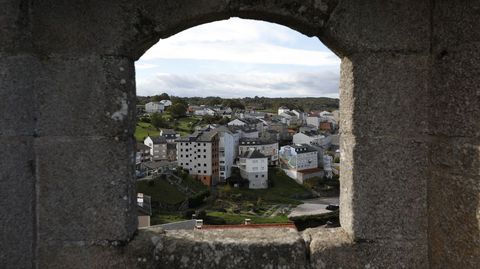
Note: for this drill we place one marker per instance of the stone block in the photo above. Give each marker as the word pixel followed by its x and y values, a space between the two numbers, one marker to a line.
pixel 17 202
pixel 80 28
pixel 78 256
pixel 385 94
pixel 384 194
pixel 231 248
pixel 356 26
pixel 92 96
pixel 16 95
pixel 456 102
pixel 455 23
pixel 86 189
pixel 330 248
pixel 454 220
pixel 15 27
pixel 460 156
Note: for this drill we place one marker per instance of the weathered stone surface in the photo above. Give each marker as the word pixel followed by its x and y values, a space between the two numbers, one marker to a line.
pixel 17 110
pixel 410 104
pixel 17 203
pixel 86 189
pixel 86 96
pixel 460 156
pixel 332 248
pixel 456 102
pixel 365 25
pixel 15 32
pixel 385 94
pixel 454 24
pixel 234 248
pixel 454 219
pixel 386 189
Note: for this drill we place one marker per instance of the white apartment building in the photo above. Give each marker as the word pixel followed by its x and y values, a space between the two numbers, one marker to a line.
pixel 199 155
pixel 227 152
pixel 313 138
pixel 269 148
pixel 154 107
pixel 299 157
pixel 253 166
pixel 299 162
pixel 158 147
pixel 282 109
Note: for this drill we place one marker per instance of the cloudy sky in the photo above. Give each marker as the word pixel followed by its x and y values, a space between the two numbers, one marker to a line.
pixel 239 58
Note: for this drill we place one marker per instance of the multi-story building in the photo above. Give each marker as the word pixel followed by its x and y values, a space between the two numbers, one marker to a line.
pixel 299 162
pixel 253 166
pixel 227 152
pixel 142 154
pixel 154 107
pixel 313 138
pixel 158 147
pixel 268 148
pixel 199 155
pixel 169 134
pixel 299 157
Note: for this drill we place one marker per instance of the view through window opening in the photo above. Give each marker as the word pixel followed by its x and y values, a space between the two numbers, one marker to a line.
pixel 238 125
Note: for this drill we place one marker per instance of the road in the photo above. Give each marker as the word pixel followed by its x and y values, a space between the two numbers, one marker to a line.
pixel 313 207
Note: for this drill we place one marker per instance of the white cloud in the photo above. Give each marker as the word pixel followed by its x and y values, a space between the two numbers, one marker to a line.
pixel 242 41
pixel 241 85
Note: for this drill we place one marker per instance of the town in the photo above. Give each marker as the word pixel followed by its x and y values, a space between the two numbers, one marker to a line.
pixel 227 163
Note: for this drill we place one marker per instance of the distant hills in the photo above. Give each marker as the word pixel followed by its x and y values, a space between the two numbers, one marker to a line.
pixel 258 103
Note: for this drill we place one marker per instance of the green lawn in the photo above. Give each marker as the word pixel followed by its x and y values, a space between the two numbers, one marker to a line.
pixel 144 129
pixel 185 126
pixel 240 218
pixel 165 217
pixel 160 191
pixel 284 190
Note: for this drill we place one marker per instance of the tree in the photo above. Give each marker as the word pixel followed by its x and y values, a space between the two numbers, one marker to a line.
pixel 158 98
pixel 178 110
pixel 158 121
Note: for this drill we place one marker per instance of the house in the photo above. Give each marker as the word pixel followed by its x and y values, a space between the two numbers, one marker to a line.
pixel 142 154
pixel 269 148
pixel 253 167
pixel 198 153
pixel 144 210
pixel 203 111
pixel 169 134
pixel 158 147
pixel 312 138
pixel 251 123
pixel 166 103
pixel 300 162
pixel 154 107
pixel 300 115
pixel 282 109
pixel 227 152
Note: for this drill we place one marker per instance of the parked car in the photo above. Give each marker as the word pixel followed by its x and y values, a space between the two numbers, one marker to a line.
pixel 332 207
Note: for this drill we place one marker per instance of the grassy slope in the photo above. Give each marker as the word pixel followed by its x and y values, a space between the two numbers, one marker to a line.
pixel 162 191
pixel 240 218
pixel 283 191
pixel 144 129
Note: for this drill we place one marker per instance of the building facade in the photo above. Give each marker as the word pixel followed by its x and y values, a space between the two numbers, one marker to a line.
pixel 253 167
pixel 158 147
pixel 154 107
pixel 199 155
pixel 269 148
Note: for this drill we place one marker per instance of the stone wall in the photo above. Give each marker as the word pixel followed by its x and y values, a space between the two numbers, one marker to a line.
pixel 410 105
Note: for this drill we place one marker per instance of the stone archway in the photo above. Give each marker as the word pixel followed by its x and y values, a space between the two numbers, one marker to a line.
pixel 67 73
